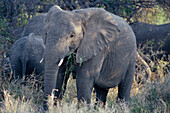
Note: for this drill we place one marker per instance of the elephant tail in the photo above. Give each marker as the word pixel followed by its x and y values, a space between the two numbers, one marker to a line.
pixel 146 65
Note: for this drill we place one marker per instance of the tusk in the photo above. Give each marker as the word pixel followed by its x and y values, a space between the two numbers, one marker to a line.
pixel 61 61
pixel 41 60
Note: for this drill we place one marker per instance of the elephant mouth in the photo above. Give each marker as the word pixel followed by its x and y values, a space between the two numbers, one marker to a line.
pixel 65 57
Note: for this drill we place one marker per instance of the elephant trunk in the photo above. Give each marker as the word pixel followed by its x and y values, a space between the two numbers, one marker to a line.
pixel 49 81
pixel 50 78
pixel 53 61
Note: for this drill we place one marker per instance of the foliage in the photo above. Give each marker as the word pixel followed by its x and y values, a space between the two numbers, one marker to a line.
pixel 155 15
pixel 154 97
pixel 18 12
pixel 5 39
pixel 4 31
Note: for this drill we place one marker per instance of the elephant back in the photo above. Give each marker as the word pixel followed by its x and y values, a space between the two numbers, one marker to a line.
pixel 34 25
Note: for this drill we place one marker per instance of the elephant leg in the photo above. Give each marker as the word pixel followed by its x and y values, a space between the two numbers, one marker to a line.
pixel 24 64
pixel 124 86
pixel 16 69
pixel 101 95
pixel 65 82
pixel 61 78
pixel 84 89
pixel 85 77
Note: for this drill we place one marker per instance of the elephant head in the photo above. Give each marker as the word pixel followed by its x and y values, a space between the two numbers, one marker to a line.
pixel 86 32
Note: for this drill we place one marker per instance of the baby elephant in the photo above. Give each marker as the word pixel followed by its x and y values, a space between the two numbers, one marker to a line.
pixel 25 56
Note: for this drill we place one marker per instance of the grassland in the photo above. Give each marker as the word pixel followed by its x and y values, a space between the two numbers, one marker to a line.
pixel 149 94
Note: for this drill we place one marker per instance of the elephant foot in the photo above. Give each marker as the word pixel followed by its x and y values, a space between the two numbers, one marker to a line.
pixel 24 78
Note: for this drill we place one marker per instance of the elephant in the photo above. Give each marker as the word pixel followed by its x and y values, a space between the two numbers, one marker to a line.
pixel 34 25
pixel 25 56
pixel 159 33
pixel 105 48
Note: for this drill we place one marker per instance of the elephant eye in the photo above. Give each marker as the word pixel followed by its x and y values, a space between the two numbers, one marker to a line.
pixel 72 35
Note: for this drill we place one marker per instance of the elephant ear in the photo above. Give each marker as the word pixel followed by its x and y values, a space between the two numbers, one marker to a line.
pixel 100 31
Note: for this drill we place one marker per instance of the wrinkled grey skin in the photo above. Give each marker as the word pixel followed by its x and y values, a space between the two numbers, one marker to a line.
pixel 25 56
pixel 34 25
pixel 105 46
pixel 159 33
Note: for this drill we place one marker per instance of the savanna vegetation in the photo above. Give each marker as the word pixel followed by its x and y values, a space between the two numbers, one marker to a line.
pixel 149 93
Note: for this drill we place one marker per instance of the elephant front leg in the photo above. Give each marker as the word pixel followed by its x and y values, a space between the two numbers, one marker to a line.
pixel 60 80
pixel 85 77
pixel 66 77
pixel 84 83
pixel 84 89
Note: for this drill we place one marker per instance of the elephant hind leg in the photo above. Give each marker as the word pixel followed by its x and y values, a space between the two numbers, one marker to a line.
pixel 124 86
pixel 16 70
pixel 101 95
pixel 24 65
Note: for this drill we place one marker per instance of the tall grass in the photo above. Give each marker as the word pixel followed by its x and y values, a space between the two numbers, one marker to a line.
pixel 146 96
pixel 153 97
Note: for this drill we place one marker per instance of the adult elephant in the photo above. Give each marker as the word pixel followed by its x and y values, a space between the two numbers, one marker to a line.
pixel 104 45
pixel 147 32
pixel 34 25
pixel 26 54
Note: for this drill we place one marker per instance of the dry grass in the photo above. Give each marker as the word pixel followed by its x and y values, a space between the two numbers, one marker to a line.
pixel 152 97
pixel 147 97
